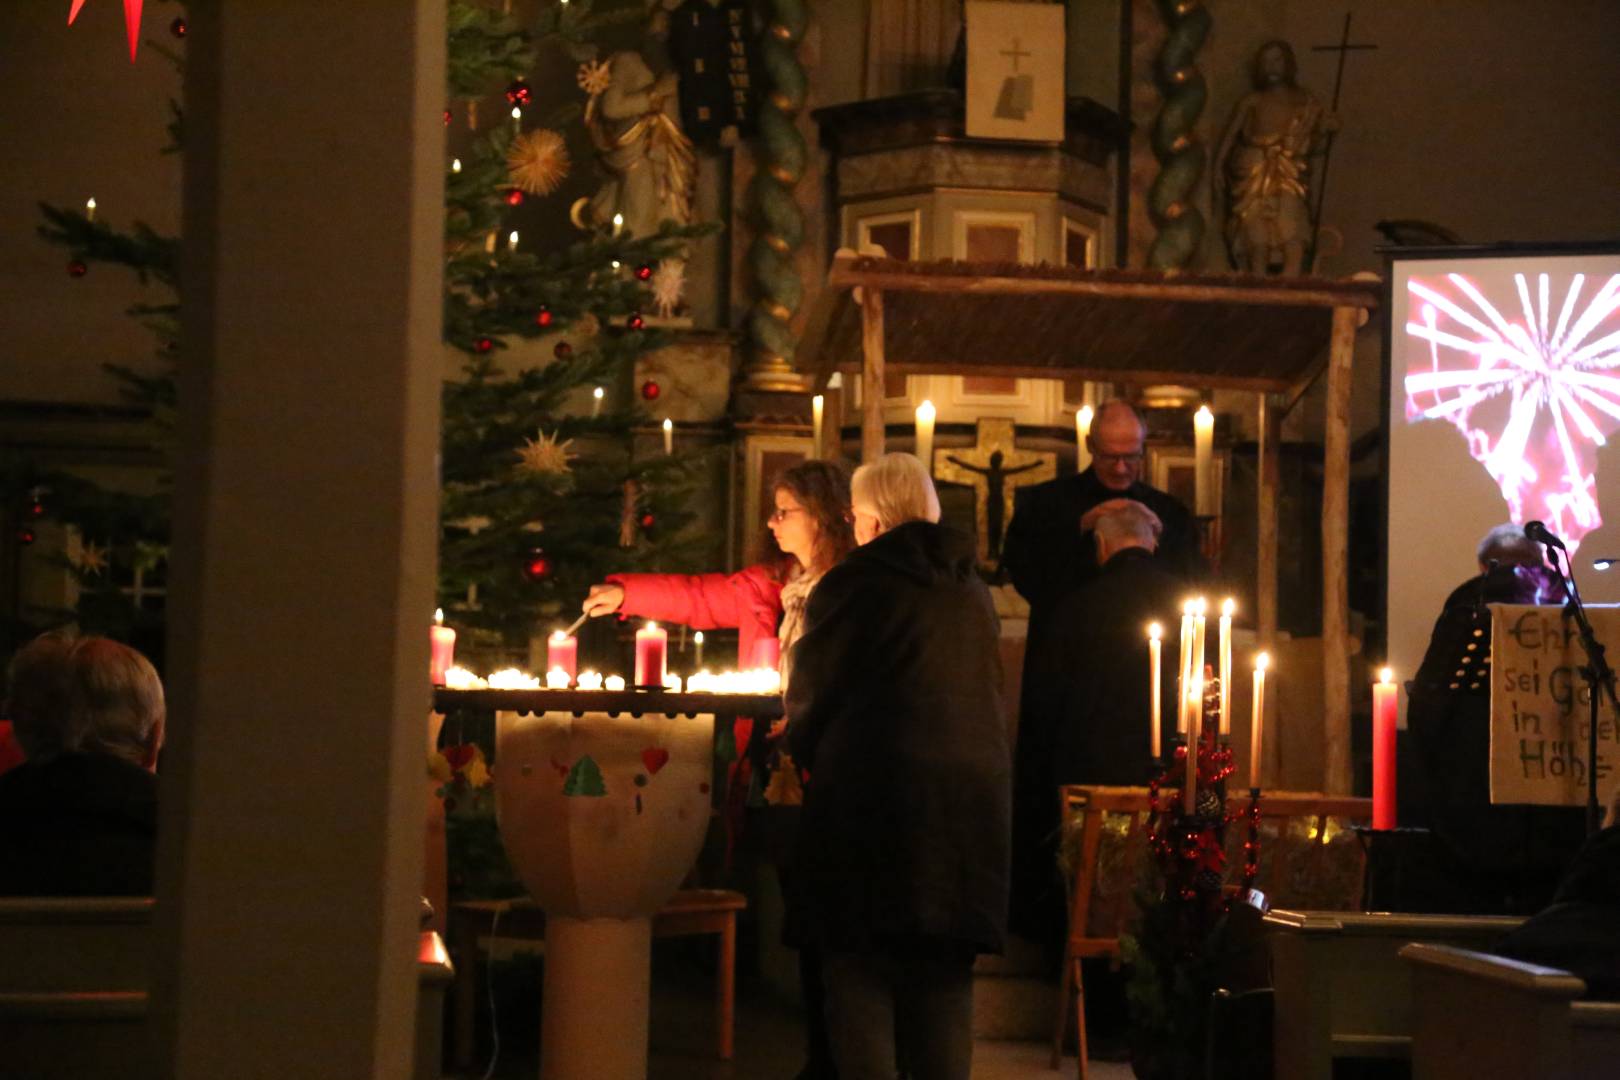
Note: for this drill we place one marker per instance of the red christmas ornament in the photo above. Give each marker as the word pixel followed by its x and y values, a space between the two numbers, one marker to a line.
pixel 544 317
pixel 636 321
pixel 518 93
pixel 483 344
pixel 514 197
pixel 77 269
pixel 36 509
pixel 447 118
pixel 537 567
pixel 25 536
pixel 562 350
pixel 650 390
pixel 178 27
pixel 644 272
pixel 647 520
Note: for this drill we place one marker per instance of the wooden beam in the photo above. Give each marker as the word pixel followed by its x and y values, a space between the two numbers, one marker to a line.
pixel 844 275
pixel 872 375
pixel 1335 555
pixel 1138 376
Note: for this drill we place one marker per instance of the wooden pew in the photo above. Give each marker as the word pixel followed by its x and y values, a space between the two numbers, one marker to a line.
pixel 1478 1015
pixel 74 975
pixel 1342 991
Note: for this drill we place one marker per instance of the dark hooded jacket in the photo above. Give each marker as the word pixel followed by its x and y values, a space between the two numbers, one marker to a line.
pixel 895 709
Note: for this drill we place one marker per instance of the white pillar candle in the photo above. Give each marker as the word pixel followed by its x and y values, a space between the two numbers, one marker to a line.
pixel 669 435
pixel 1257 723
pixel 925 435
pixel 1082 432
pixel 1225 662
pixel 1204 462
pixel 817 406
pixel 1154 646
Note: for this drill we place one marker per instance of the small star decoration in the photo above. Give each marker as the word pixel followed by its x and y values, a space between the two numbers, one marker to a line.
pixel 545 456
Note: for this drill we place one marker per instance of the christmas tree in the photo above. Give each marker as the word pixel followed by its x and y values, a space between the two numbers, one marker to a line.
pixel 544 490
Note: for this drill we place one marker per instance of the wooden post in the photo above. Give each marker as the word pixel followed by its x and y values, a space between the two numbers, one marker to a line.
pixel 1335 552
pixel 871 375
pixel 1265 567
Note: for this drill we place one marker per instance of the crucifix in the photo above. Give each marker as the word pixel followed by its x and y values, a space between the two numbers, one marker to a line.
pixel 994 468
pixel 1343 48
pixel 1016 53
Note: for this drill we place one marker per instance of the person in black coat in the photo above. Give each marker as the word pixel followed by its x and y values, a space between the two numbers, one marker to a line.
pixel 79 816
pixel 1051 547
pixel 895 710
pixel 1088 719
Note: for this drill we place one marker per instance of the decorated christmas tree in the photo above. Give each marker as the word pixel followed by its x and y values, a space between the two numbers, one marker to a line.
pixel 546 484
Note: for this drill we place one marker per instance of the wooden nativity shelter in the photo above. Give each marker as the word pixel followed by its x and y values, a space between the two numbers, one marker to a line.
pixel 1271 336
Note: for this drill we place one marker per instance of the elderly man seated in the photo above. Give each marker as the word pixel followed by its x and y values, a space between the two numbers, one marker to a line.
pixel 79 816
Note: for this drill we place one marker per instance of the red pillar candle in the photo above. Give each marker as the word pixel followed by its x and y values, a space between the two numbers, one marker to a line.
pixel 1384 709
pixel 442 645
pixel 562 653
pixel 767 654
pixel 652 649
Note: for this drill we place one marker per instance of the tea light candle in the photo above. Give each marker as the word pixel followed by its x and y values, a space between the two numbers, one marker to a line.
pixel 589 680
pixel 441 648
pixel 652 651
pixel 613 682
pixel 557 679
pixel 562 653
pixel 672 683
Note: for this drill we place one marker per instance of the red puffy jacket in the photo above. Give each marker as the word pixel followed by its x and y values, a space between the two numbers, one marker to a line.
pixel 750 600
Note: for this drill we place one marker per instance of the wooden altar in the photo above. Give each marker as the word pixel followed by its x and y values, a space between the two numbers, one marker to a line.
pixel 1271 336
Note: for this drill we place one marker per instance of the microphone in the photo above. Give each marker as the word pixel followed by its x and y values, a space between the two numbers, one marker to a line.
pixel 1538 532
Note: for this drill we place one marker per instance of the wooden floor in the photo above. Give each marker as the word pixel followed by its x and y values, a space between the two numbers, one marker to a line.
pixel 769 1042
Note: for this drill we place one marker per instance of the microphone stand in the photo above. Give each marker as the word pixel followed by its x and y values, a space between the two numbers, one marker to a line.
pixel 1598 677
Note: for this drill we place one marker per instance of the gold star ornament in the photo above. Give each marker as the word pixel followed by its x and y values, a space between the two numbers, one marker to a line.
pixel 543 455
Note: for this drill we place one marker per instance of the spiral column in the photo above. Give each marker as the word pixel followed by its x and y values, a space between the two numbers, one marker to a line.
pixel 1175 138
pixel 781 153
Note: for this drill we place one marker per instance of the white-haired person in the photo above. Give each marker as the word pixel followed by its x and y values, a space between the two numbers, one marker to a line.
pixel 896 710
pixel 79 816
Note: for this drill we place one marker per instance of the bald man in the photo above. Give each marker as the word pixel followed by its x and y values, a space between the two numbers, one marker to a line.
pixel 1051 548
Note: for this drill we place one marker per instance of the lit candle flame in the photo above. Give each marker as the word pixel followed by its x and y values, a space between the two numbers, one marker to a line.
pixel 1086 413
pixel 90 208
pixel 650 625
pixel 558 635
pixel 1262 661
pixel 1228 606
pixel 597 393
pixel 1189 607
pixel 1155 631
pixel 438 616
pixel 1200 606
pixel 455 165
pixel 517 113
pixel 1386 675
pixel 697 638
pixel 511 241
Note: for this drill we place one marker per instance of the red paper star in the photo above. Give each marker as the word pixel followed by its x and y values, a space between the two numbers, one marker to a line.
pixel 132 22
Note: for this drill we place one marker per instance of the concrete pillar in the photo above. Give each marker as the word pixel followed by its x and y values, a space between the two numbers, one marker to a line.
pixel 305 530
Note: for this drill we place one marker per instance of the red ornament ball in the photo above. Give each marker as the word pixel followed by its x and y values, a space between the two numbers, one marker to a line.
pixel 562 350
pixel 518 93
pixel 447 118
pixel 36 509
pixel 644 272
pixel 514 197
pixel 636 322
pixel 178 27
pixel 77 269
pixel 544 317
pixel 650 390
pixel 25 536
pixel 537 567
pixel 483 344
pixel 648 520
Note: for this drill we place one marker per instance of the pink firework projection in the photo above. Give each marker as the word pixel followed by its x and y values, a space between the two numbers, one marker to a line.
pixel 1534 392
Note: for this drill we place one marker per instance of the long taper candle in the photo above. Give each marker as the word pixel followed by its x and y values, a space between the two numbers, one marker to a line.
pixel 1189 789
pixel 1082 432
pixel 669 435
pixel 596 402
pixel 1385 702
pixel 1200 609
pixel 1257 724
pixel 818 406
pixel 1154 632
pixel 1184 662
pixel 925 435
pixel 1225 662
pixel 1204 462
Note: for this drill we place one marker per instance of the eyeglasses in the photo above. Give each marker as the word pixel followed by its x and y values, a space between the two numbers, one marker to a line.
pixel 1117 459
pixel 780 514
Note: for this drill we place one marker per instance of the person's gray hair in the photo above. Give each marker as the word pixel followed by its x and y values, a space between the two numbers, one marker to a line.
pixel 1507 545
pixel 1117 410
pixel 1129 525
pixel 898 487
pixel 88 694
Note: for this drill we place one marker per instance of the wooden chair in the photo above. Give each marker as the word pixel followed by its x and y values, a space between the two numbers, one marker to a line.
pixel 1481 1015
pixel 690 911
pixel 1098 917
pixel 74 974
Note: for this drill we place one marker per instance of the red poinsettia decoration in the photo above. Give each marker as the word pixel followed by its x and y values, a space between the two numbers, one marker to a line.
pixel 132 22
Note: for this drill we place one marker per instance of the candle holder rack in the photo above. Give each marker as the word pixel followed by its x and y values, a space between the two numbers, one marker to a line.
pixel 636 702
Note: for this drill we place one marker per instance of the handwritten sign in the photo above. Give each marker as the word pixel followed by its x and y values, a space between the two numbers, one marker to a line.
pixel 1541 710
